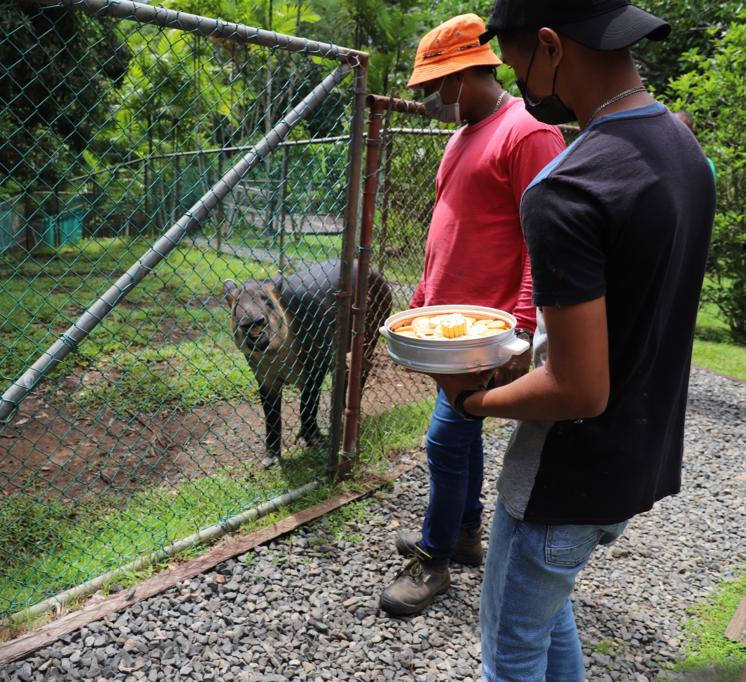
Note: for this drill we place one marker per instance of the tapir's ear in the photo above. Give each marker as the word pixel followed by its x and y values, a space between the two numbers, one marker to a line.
pixel 229 289
pixel 272 291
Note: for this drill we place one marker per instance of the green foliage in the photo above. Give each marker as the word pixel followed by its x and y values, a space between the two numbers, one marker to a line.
pixel 706 645
pixel 713 92
pixel 56 64
pixel 695 25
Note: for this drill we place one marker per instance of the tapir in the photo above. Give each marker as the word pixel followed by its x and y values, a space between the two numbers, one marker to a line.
pixel 286 329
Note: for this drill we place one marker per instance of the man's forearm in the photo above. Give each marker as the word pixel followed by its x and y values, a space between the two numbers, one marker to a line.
pixel 536 396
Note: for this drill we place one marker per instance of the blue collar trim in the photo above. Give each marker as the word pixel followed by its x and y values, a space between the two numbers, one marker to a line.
pixel 648 110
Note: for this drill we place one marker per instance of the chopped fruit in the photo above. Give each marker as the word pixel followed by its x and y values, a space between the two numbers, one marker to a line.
pixel 453 326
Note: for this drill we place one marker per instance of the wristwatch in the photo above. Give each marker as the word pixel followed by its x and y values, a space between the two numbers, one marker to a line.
pixel 458 404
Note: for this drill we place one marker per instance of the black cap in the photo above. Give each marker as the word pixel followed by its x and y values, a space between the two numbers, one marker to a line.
pixel 598 24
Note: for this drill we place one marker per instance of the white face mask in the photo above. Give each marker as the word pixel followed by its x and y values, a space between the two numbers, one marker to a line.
pixel 447 113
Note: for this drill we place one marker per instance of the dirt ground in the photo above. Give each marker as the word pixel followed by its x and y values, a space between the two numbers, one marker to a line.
pixel 59 450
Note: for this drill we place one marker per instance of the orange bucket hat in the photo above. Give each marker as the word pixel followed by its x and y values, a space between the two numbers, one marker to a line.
pixel 453 46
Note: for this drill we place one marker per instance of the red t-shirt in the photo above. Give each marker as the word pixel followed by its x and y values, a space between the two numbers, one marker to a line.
pixel 475 250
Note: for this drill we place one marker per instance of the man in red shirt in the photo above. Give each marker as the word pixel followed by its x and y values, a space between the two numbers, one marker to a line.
pixel 476 255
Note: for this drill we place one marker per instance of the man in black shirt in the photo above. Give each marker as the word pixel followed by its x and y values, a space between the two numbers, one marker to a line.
pixel 617 229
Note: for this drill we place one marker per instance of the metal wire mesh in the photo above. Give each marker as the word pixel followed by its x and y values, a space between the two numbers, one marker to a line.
pixel 114 131
pixel 397 403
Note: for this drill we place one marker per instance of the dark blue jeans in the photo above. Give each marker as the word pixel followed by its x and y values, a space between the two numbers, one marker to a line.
pixel 456 462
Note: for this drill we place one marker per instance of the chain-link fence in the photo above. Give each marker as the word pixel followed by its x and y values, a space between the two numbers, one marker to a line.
pixel 177 212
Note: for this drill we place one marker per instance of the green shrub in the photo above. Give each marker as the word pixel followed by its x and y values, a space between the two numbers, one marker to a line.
pixel 713 92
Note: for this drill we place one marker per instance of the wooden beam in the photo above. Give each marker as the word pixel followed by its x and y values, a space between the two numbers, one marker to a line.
pixel 736 630
pixel 224 550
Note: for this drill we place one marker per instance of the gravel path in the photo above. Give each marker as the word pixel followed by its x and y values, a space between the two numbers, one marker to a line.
pixel 305 606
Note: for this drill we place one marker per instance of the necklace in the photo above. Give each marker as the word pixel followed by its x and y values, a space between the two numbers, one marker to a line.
pixel 497 106
pixel 499 101
pixel 615 98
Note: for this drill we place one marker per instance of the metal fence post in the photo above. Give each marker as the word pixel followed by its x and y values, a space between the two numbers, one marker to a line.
pixel 370 188
pixel 377 106
pixel 344 294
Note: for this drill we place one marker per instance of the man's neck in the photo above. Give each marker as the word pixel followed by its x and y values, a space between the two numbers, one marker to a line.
pixel 487 104
pixel 610 76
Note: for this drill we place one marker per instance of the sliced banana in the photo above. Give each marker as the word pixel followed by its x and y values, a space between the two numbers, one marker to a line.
pixel 451 326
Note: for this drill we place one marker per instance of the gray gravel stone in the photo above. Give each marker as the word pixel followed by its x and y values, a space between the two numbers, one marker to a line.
pixel 305 607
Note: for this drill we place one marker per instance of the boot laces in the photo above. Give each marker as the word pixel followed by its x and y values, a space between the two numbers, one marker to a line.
pixel 413 569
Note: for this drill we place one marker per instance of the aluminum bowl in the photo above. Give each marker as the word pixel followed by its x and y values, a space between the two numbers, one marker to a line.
pixel 453 356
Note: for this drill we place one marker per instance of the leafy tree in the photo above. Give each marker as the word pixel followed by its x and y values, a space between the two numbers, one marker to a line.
pixel 713 92
pixel 55 65
pixel 695 24
pixel 387 30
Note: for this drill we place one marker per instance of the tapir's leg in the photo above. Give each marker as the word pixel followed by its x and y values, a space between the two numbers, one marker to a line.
pixel 309 406
pixel 271 397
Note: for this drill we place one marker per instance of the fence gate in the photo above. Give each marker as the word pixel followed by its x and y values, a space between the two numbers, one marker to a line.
pixel 146 158
pixel 404 149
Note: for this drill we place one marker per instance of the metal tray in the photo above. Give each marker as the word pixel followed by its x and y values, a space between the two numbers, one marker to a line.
pixel 453 356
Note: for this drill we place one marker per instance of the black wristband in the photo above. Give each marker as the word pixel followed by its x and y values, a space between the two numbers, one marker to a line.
pixel 525 334
pixel 458 405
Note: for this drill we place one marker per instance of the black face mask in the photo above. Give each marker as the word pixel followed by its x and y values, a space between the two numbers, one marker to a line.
pixel 552 109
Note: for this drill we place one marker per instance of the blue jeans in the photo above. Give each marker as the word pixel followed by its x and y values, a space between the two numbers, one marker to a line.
pixel 528 627
pixel 455 460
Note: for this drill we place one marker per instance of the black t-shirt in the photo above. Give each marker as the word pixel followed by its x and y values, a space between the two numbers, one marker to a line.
pixel 625 212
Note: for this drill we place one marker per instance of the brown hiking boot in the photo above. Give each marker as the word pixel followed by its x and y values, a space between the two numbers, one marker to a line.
pixel 414 589
pixel 468 549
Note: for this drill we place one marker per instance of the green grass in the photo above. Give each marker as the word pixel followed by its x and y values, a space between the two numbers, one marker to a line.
pixel 705 644
pixel 307 247
pixel 62 548
pixel 337 522
pixel 605 646
pixel 43 295
pixel 400 429
pixel 712 348
pixel 182 375
pixel 723 358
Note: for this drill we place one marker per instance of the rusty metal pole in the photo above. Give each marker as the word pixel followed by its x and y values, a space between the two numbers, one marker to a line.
pixel 387 149
pixel 370 188
pixel 403 106
pixel 344 294
pixel 377 105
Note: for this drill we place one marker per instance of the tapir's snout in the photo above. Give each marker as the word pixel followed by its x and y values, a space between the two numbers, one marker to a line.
pixel 252 332
pixel 252 326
